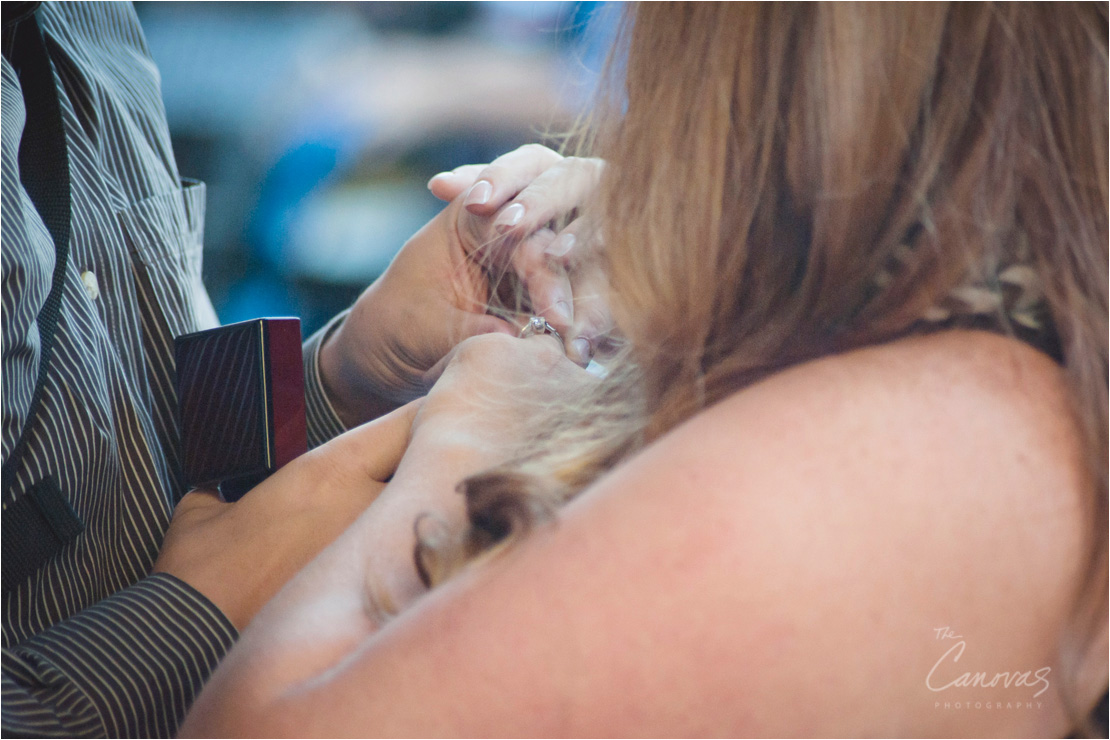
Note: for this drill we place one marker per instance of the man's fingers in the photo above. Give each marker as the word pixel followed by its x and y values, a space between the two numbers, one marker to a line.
pixel 474 324
pixel 471 325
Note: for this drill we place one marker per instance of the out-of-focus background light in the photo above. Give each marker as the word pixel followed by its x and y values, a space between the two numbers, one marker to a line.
pixel 317 125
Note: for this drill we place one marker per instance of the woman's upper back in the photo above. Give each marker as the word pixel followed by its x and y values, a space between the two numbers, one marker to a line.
pixel 809 537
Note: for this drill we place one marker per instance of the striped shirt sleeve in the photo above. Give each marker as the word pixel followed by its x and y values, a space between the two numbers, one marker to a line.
pixel 322 420
pixel 127 667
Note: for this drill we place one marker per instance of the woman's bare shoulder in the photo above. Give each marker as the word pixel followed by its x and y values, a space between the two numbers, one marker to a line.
pixel 964 405
pixel 970 432
pixel 879 503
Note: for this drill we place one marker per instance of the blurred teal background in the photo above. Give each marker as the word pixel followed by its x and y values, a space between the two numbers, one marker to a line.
pixel 317 125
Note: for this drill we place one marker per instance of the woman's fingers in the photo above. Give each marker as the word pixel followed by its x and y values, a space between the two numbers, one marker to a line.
pixel 449 185
pixel 541 184
pixel 592 319
pixel 547 283
pixel 525 192
pixel 557 191
pixel 489 186
pixel 576 247
pixel 509 174
pixel 574 302
pixel 377 446
pixel 568 267
pixel 563 281
pixel 200 499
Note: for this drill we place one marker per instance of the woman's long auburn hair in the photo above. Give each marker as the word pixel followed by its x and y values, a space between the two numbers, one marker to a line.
pixel 787 181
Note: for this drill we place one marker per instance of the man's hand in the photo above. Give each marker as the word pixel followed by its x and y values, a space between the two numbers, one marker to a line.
pixel 396 340
pixel 239 555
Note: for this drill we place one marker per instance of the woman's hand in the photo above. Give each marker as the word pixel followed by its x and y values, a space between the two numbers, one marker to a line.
pixel 559 263
pixel 481 413
pixel 394 344
pixel 491 397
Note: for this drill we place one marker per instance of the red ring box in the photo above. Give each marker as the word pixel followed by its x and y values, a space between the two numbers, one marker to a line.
pixel 240 400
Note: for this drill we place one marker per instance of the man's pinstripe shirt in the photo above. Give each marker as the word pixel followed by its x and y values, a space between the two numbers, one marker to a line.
pixel 92 644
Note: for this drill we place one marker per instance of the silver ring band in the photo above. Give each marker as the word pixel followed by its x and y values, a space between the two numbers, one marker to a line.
pixel 539 325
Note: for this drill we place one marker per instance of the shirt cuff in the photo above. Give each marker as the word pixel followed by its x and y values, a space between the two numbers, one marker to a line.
pixel 134 662
pixel 323 422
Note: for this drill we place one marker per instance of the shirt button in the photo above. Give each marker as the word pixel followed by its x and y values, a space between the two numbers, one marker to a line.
pixel 92 288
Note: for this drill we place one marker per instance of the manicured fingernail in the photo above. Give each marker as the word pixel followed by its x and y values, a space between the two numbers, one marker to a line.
pixel 560 246
pixel 562 310
pixel 509 217
pixel 583 348
pixel 479 194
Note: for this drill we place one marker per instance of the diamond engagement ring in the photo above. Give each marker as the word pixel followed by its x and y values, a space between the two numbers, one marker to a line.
pixel 538 325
